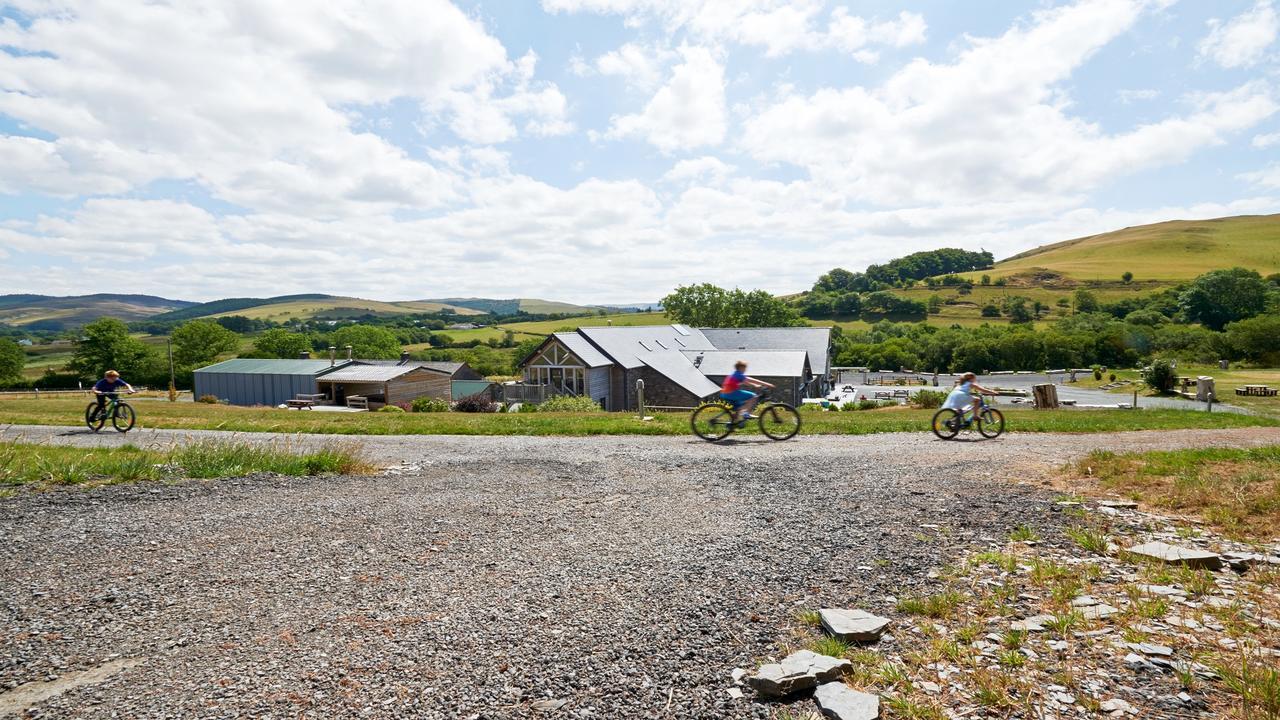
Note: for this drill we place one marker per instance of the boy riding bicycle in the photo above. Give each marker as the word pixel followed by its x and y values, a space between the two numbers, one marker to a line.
pixel 734 390
pixel 108 386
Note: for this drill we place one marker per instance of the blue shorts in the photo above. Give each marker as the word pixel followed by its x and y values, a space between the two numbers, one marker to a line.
pixel 738 397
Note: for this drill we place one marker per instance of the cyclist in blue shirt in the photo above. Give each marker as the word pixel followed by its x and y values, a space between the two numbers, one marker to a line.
pixel 108 386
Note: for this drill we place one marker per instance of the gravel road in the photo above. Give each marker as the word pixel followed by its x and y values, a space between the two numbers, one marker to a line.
pixel 625 576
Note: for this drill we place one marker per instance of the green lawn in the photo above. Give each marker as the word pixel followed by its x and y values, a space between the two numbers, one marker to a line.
pixel 1225 383
pixel 197 416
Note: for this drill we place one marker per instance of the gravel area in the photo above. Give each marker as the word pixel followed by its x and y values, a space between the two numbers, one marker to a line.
pixel 484 577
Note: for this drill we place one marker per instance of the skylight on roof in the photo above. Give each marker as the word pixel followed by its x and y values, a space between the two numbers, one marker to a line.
pixel 659 342
pixel 646 347
pixel 680 341
pixel 682 329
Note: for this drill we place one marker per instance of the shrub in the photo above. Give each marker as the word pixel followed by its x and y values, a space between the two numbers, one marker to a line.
pixel 391 409
pixel 868 404
pixel 1097 372
pixel 570 403
pixel 476 404
pixel 210 399
pixel 1159 376
pixel 524 407
pixel 427 404
pixel 928 399
pixel 990 311
pixel 1112 377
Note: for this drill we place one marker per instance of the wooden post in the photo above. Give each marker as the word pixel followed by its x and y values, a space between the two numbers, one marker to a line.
pixel 640 396
pixel 1046 396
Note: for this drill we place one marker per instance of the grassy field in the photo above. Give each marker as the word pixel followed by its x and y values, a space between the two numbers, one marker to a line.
pixel 25 463
pixel 1236 491
pixel 1225 383
pixel 1168 251
pixel 197 416
pixel 339 307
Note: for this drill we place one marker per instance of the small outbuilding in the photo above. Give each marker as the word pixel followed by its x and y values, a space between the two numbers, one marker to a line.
pixel 250 381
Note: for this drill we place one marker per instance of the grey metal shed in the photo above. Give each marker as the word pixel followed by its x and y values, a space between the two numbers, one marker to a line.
pixel 249 381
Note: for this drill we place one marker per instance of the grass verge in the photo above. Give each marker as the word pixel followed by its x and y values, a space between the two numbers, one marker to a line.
pixel 1235 491
pixel 198 416
pixel 27 464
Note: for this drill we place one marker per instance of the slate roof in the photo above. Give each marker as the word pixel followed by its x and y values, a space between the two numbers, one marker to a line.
pixel 629 345
pixel 677 368
pixel 760 363
pixel 368 373
pixel 273 366
pixel 583 349
pixel 449 368
pixel 814 340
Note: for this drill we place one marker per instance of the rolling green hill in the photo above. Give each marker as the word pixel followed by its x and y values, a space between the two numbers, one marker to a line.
pixel 44 312
pixel 1172 251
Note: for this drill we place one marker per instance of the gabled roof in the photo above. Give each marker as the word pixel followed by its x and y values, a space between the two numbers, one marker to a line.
pixel 760 363
pixel 814 340
pixel 273 366
pixel 628 346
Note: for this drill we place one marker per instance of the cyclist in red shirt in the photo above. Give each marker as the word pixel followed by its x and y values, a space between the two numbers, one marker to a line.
pixel 734 390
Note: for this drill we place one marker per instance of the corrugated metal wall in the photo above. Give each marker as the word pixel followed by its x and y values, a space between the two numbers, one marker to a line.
pixel 598 383
pixel 252 388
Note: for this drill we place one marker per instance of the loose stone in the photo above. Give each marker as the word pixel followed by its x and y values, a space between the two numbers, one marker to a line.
pixel 853 625
pixel 1174 555
pixel 841 702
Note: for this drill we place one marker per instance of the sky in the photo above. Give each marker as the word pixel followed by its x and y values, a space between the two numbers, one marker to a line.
pixel 606 151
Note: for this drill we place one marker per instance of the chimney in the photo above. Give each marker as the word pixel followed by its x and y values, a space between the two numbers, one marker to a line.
pixel 404 357
pixel 304 355
pixel 333 356
pixel 348 353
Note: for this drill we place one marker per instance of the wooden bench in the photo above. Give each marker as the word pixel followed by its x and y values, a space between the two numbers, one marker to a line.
pixel 300 403
pixel 1256 391
pixel 358 401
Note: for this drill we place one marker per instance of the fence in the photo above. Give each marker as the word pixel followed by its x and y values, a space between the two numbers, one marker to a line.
pixel 38 393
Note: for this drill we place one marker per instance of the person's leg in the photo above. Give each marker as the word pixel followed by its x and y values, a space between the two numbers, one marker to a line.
pixel 749 404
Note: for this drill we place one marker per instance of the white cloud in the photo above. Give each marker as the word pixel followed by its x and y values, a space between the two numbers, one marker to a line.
pixel 687 112
pixel 1128 97
pixel 778 26
pixel 1268 177
pixel 707 169
pixel 1242 40
pixel 1265 141
pixel 639 65
pixel 256 101
pixel 993 124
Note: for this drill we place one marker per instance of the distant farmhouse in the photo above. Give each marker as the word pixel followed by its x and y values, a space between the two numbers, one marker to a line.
pixel 370 383
pixel 680 365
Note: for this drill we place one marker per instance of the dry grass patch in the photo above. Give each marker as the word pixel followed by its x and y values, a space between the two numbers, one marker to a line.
pixel 1235 491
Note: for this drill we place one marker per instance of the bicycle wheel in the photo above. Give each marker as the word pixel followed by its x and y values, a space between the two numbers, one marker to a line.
pixel 93 418
pixel 123 418
pixel 991 423
pixel 946 423
pixel 712 422
pixel 780 422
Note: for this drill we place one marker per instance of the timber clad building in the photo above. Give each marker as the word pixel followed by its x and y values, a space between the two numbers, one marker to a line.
pixel 246 381
pixel 680 365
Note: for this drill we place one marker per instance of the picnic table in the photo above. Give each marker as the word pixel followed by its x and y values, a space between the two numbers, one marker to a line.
pixel 300 403
pixel 1256 391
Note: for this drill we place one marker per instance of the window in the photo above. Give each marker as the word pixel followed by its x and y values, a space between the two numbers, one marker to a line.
pixel 558 369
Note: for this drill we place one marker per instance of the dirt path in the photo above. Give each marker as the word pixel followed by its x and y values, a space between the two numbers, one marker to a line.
pixel 624 576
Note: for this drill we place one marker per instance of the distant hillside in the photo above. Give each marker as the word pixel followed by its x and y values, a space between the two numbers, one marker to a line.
pixel 44 312
pixel 533 306
pixel 1169 251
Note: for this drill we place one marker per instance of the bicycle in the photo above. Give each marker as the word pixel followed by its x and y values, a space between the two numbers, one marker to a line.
pixel 120 412
pixel 714 421
pixel 947 422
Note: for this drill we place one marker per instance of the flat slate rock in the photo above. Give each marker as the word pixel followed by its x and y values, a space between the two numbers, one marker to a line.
pixel 1174 555
pixel 1035 623
pixel 1100 611
pixel 802 670
pixel 841 702
pixel 853 625
pixel 1118 504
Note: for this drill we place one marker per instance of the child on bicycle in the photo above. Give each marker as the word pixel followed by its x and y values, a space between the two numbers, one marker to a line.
pixel 108 386
pixel 734 391
pixel 962 398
